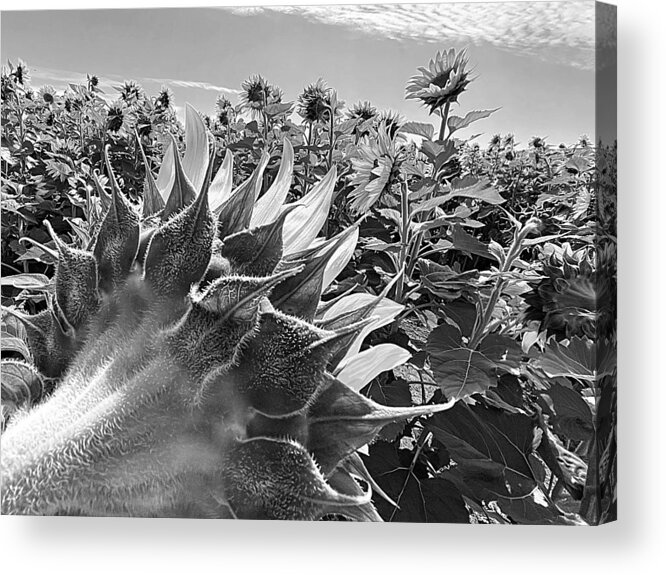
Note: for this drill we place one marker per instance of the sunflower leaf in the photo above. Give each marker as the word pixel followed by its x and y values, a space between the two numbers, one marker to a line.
pixel 457 123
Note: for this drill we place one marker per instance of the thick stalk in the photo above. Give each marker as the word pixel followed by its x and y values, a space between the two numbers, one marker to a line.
pixel 404 237
pixel 445 117
pixel 514 252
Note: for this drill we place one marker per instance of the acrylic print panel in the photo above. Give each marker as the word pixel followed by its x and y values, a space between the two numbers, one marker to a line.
pixel 330 262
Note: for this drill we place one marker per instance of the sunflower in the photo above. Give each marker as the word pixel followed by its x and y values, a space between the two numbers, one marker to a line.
pixel 130 92
pixel 7 84
pixel 116 117
pixel 93 82
pixel 362 111
pixel 375 170
pixel 537 143
pixel 21 73
pixel 315 102
pixel 223 110
pixel 441 82
pixel 391 120
pixel 257 93
pixel 47 94
pixel 164 100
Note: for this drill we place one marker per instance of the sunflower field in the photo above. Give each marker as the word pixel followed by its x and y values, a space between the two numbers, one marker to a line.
pixel 483 278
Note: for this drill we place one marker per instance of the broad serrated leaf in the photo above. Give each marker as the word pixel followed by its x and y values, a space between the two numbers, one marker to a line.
pixel 490 447
pixel 458 123
pixel 419 499
pixel 418 129
pixel 578 359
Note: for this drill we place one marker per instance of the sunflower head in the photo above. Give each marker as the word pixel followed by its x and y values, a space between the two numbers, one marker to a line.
pixel 130 92
pixel 392 122
pixel 362 111
pixel 164 100
pixel 115 117
pixel 564 300
pixel 376 169
pixel 537 143
pixel 445 78
pixel 316 101
pixel 223 110
pixel 21 73
pixel 93 82
pixel 257 93
pixel 47 94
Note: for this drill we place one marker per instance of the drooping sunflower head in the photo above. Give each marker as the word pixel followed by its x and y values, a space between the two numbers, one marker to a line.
pixel 564 301
pixel 362 111
pixel 392 122
pixel 196 373
pixel 442 82
pixel 315 102
pixel 116 117
pixel 257 93
pixel 375 170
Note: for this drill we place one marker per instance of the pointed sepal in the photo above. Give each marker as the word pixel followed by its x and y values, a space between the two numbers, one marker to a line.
pixel 182 191
pixel 76 288
pixel 180 249
pixel 342 420
pixel 257 251
pixel 266 478
pixel 235 214
pixel 117 239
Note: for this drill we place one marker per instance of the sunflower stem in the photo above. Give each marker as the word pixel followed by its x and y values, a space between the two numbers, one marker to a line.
pixel 445 117
pixel 404 239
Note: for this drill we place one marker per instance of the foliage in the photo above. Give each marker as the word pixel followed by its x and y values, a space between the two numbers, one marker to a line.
pixel 490 270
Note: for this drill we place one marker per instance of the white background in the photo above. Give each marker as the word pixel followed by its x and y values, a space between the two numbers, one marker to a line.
pixel 635 543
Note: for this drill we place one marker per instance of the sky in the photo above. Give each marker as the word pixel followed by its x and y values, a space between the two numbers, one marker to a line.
pixel 534 60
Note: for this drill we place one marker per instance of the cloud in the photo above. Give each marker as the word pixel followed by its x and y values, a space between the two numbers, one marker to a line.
pixel 191 84
pixel 62 78
pixel 561 32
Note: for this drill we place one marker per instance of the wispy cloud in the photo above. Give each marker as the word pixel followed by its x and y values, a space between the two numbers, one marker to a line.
pixel 191 84
pixel 561 32
pixel 62 78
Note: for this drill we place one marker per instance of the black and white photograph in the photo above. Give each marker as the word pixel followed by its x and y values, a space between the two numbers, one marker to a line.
pixel 351 263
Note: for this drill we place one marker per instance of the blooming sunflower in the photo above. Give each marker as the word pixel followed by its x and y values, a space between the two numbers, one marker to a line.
pixel 164 100
pixel 47 94
pixel 441 82
pixel 375 170
pixel 257 93
pixel 130 92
